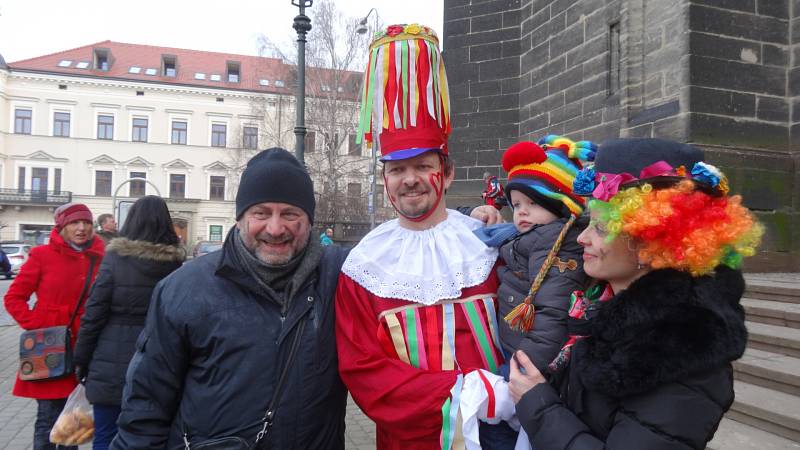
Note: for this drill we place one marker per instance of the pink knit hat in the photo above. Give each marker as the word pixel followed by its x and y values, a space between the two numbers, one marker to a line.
pixel 71 212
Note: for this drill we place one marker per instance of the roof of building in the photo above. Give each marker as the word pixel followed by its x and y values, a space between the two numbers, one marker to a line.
pixel 146 63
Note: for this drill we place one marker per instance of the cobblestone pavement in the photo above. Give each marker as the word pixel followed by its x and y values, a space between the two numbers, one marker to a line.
pixel 18 414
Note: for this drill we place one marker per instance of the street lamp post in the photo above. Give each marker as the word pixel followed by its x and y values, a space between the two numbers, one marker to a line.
pixel 373 163
pixel 302 24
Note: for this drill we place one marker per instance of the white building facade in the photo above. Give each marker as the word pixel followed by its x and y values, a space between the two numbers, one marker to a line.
pixel 78 125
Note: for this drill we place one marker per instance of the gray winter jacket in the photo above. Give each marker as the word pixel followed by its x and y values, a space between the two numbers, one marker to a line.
pixel 523 256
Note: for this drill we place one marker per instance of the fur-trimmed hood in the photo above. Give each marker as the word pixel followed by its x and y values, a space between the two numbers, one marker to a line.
pixel 666 326
pixel 146 250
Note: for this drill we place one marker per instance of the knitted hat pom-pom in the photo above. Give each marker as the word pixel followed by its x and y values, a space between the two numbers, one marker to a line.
pixel 523 153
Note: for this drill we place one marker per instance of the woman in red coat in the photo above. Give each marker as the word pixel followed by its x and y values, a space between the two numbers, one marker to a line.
pixel 56 273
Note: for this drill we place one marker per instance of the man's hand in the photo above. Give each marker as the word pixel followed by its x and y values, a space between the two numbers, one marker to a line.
pixel 487 214
pixel 80 374
pixel 522 381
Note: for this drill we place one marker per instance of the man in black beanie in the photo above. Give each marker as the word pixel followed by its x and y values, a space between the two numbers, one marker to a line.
pixel 238 345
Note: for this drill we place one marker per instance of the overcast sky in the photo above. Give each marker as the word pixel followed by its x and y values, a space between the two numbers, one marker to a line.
pixel 30 28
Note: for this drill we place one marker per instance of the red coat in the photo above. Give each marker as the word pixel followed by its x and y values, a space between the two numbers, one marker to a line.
pixel 56 273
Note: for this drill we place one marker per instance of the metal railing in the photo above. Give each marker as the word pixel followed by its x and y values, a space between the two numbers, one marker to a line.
pixel 34 196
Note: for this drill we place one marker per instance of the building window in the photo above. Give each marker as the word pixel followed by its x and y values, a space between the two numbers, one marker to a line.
pixel 217 188
pixel 57 181
pixel 22 121
pixel 139 129
pixel 179 132
pixel 311 141
pixel 353 149
pixel 137 187
pixel 218 134
pixel 169 66
pixel 105 127
pixel 215 233
pixel 614 66
pixel 39 179
pixel 61 124
pixel 102 183
pixel 21 179
pixel 101 60
pixel 353 195
pixel 251 137
pixel 233 72
pixel 177 185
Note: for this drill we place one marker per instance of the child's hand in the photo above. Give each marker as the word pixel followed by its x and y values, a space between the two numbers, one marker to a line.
pixel 487 214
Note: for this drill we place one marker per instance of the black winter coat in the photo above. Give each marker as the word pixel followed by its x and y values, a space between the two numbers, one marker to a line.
pixel 212 349
pixel 115 313
pixel 524 256
pixel 655 372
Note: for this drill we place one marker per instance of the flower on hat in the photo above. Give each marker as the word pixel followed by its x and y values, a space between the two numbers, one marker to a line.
pixel 584 182
pixel 413 28
pixel 706 173
pixel 394 30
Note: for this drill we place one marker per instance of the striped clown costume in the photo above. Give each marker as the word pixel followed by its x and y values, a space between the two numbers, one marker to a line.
pixel 416 310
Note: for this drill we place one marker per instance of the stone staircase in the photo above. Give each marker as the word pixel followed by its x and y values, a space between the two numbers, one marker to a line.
pixel 766 412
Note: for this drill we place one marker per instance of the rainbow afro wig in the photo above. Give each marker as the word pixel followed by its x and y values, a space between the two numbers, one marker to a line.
pixel 681 219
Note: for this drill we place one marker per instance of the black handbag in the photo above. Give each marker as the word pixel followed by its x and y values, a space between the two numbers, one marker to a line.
pixel 238 443
pixel 46 353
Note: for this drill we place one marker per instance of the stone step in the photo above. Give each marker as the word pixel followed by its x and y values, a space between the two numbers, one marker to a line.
pixel 772 312
pixel 773 338
pixel 767 409
pixel 733 435
pixel 781 290
pixel 770 370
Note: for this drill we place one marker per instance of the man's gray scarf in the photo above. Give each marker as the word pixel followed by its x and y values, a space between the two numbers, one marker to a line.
pixel 279 281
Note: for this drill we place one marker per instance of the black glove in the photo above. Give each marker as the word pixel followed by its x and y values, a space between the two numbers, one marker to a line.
pixel 80 373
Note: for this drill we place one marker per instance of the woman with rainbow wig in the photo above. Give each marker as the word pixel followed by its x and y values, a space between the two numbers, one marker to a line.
pixel 648 361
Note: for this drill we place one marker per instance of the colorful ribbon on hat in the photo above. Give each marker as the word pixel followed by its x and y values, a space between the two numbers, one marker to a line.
pixel 604 186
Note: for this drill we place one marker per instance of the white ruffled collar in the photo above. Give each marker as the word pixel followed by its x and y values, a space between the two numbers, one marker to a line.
pixel 421 266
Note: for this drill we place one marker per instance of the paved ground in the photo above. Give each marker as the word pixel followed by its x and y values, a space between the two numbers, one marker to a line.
pixel 18 414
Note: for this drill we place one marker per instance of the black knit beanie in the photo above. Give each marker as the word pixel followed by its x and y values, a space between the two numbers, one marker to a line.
pixel 274 175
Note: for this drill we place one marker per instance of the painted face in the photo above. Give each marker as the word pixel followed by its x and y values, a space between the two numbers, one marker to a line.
pixel 274 232
pixel 614 262
pixel 78 232
pixel 528 213
pixel 412 183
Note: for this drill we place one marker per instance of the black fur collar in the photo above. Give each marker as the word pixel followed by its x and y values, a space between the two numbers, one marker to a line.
pixel 146 250
pixel 665 326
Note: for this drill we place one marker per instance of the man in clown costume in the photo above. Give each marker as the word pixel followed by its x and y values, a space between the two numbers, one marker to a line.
pixel 416 299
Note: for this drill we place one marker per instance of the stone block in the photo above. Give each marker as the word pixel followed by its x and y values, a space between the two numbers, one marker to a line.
pixel 565 80
pixel 498 102
pixel 555 66
pixel 486 37
pixel 455 56
pixel 597 22
pixel 511 48
pixel 463 73
pixel 595 66
pixel 674 128
pixel 724 48
pixel 498 69
pixel 587 51
pixel 603 132
pixel 492 6
pixel 715 73
pixel 555 25
pixel 477 145
pixel 489 158
pixel 738 5
pixel 653 88
pixel 559 6
pixel 565 113
pixel 774 55
pixel 536 57
pixel 507 116
pixel 794 82
pixel 511 18
pixel 456 28
pixel 554 101
pixel 487 22
pixel 641 131
pixel 583 122
pixel 580 10
pixel 534 123
pixel 535 21
pixel 773 109
pixel 533 94
pixel 460 90
pixel 723 102
pixel 795 26
pixel 510 86
pixel 595 102
pixel 566 40
pixel 730 23
pixel 653 40
pixel 773 8
pixel 720 130
pixel 485 52
pixel 464 105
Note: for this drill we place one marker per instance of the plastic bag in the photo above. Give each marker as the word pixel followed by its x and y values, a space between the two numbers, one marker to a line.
pixel 75 424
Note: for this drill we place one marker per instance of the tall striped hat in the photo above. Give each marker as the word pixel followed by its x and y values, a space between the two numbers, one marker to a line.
pixel 545 172
pixel 405 100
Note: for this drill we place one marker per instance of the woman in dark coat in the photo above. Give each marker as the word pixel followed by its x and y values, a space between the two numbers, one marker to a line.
pixel 648 363
pixel 146 252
